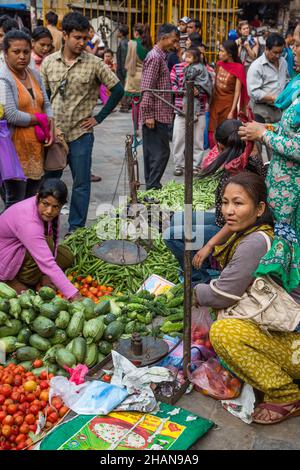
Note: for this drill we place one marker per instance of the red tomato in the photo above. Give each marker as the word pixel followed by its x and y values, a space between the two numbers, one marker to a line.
pixel 63 410
pixel 2 399
pixel 15 396
pixel 6 390
pixel 18 380
pixel 37 363
pixel 24 429
pixel 30 397
pixel 6 430
pixel 44 375
pixel 32 427
pixel 106 378
pixel 8 379
pixel 57 403
pixel 34 409
pixel 2 416
pixel 30 418
pixel 15 429
pixel 18 420
pixel 8 420
pixel 21 438
pixel 11 409
pixel 53 417
pixel 21 444
pixel 43 404
pixel 44 385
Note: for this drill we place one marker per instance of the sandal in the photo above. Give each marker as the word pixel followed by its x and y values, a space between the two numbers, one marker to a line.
pixel 279 409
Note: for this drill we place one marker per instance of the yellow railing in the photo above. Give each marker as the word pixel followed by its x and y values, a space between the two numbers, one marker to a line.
pixel 217 16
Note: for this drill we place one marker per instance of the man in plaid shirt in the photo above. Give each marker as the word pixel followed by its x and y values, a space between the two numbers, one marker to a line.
pixel 72 78
pixel 155 114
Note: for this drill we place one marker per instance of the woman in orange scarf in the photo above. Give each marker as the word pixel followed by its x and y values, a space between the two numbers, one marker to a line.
pixel 25 100
pixel 230 92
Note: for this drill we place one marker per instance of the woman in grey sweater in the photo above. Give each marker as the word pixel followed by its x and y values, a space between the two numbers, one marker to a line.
pixel 267 361
pixel 25 101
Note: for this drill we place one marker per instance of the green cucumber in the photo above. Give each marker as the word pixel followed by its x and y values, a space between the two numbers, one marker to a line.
pixel 27 354
pixel 46 293
pixel 79 349
pixel 65 358
pixel 42 344
pixel 44 327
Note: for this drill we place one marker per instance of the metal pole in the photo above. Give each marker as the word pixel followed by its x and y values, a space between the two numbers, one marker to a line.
pixel 188 200
pixel 33 13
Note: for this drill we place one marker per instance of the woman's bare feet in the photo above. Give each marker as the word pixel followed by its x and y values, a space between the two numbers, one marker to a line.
pixel 271 413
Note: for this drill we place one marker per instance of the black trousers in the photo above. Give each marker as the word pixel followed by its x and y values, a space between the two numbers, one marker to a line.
pixel 16 190
pixel 156 151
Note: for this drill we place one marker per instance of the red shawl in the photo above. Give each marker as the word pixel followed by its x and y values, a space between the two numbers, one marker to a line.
pixel 238 70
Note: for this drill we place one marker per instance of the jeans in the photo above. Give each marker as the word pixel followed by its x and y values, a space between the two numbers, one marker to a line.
pixel 16 190
pixel 174 239
pixel 80 162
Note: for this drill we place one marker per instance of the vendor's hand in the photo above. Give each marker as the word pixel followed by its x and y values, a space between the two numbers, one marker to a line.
pixel 52 133
pixel 252 131
pixel 77 298
pixel 231 115
pixel 88 124
pixel 150 123
pixel 201 256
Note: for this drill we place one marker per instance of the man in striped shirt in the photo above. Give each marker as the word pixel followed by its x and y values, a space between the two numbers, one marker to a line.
pixel 155 114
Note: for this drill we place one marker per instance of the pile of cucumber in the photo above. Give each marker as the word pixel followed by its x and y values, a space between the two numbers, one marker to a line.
pixel 150 314
pixel 66 333
pixel 62 333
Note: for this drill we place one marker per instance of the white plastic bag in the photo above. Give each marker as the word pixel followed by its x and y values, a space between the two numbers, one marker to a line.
pixel 91 398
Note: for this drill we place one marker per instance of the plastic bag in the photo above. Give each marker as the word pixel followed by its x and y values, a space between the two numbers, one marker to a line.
pixel 201 324
pixel 10 166
pixel 212 379
pixel 175 357
pixel 95 397
pixel 77 375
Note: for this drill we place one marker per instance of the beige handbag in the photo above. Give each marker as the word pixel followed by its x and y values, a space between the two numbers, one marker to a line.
pixel 264 302
pixel 56 155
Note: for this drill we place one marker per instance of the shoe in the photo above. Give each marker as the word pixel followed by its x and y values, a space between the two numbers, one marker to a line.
pixel 178 172
pixel 67 235
pixel 95 179
pixel 196 171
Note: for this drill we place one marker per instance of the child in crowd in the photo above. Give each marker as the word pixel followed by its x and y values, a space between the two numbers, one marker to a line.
pixel 109 61
pixel 195 70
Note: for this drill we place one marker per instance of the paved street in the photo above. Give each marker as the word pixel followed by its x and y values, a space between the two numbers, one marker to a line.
pixel 230 433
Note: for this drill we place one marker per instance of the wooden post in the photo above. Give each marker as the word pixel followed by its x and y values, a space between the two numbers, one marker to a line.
pixel 188 201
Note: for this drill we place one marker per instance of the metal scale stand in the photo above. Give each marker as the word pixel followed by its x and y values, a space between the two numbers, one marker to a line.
pixel 143 351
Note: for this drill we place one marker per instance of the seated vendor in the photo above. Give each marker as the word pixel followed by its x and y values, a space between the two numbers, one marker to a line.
pixel 29 235
pixel 230 156
pixel 263 360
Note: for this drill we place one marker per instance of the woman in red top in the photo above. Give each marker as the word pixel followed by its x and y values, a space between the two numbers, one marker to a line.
pixel 230 91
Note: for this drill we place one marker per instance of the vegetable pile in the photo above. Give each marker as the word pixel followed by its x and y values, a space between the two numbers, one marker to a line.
pixel 124 278
pixel 43 325
pixel 171 196
pixel 23 399
pixel 88 287
pixel 138 312
pixel 62 333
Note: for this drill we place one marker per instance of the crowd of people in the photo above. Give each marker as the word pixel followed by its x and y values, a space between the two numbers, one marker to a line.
pixel 50 84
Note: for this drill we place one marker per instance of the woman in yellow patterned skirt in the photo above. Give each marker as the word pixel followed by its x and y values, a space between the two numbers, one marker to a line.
pixel 270 362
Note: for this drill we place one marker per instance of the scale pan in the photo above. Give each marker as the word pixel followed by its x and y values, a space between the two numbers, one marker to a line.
pixel 120 252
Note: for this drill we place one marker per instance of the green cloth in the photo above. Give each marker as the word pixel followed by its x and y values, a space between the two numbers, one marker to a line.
pixel 282 261
pixel 140 50
pixel 180 432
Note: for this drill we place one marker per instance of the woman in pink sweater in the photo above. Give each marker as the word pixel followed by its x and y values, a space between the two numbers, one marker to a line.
pixel 29 234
